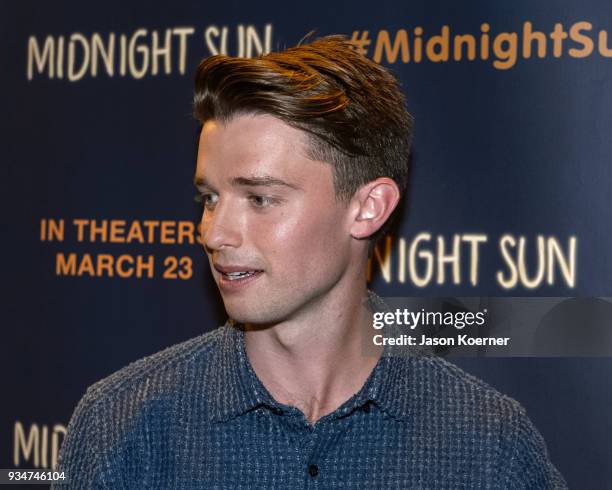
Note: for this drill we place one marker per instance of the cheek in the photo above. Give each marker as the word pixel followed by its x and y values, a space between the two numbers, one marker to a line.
pixel 306 241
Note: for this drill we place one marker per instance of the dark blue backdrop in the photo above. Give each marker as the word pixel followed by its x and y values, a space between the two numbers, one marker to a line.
pixel 523 151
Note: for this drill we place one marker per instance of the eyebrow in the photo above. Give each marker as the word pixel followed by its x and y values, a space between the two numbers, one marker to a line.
pixel 252 181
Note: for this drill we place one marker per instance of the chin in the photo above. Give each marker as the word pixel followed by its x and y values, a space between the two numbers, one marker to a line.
pixel 243 313
pixel 269 306
pixel 258 314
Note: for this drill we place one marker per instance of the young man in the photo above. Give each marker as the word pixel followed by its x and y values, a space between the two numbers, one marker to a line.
pixel 302 160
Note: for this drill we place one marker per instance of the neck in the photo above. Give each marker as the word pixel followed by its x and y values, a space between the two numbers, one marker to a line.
pixel 317 361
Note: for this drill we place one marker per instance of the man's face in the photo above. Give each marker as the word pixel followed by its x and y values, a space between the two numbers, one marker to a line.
pixel 277 240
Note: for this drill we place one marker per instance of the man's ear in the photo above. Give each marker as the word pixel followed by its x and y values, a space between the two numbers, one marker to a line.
pixel 373 203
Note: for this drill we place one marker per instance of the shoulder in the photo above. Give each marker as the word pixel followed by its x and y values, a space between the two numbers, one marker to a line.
pixel 153 388
pixel 438 393
pixel 162 370
pixel 427 380
pixel 464 414
pixel 125 415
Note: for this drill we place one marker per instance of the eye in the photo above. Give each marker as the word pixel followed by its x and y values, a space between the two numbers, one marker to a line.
pixel 208 199
pixel 262 201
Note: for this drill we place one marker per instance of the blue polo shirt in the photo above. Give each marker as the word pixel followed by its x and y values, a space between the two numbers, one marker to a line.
pixel 196 416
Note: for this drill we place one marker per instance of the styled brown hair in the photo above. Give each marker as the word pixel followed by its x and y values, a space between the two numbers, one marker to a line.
pixel 351 108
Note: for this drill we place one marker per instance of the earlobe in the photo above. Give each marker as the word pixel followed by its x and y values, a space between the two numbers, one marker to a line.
pixel 374 202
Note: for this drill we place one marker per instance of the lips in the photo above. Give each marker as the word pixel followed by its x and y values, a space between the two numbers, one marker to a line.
pixel 234 270
pixel 233 277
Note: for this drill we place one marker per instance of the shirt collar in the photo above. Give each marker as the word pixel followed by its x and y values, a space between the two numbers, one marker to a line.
pixel 235 389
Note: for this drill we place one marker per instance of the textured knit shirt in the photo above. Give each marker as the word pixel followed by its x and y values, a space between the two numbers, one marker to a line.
pixel 197 416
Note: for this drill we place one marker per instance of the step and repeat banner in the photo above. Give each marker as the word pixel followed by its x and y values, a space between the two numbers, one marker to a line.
pixel 509 200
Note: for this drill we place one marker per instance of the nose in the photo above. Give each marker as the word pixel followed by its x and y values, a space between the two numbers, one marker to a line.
pixel 221 227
